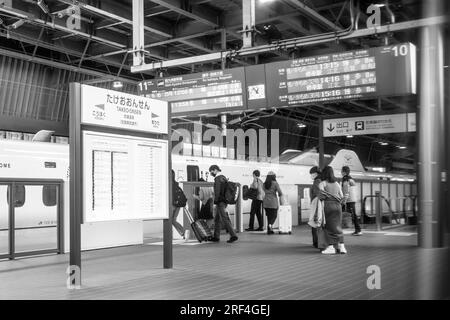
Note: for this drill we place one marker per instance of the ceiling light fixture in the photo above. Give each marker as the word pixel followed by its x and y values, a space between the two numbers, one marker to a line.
pixel 117 84
pixel 349 136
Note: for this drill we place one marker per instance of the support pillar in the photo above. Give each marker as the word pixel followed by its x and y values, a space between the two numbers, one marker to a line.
pixel 138 32
pixel 432 174
pixel 248 22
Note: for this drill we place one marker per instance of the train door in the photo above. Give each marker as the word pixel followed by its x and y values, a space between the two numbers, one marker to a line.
pixel 4 222
pixel 193 174
pixel 34 224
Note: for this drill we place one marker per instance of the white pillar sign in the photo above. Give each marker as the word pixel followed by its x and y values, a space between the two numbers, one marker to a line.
pixel 121 110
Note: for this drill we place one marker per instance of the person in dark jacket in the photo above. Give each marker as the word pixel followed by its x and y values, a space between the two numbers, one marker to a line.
pixel 220 183
pixel 315 192
pixel 256 208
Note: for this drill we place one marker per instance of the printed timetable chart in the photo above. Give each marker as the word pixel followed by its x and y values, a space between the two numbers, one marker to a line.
pixel 126 178
pixel 359 74
pixel 200 92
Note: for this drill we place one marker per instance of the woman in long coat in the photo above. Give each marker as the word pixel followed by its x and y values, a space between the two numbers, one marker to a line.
pixel 331 193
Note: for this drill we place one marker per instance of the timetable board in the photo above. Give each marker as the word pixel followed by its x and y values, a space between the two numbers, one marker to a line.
pixel 352 75
pixel 200 93
pixel 125 177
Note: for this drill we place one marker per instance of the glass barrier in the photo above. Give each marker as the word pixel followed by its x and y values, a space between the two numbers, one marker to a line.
pixel 36 221
pixel 4 221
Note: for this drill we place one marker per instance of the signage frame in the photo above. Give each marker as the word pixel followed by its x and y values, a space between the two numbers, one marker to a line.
pixel 76 129
pixel 322 137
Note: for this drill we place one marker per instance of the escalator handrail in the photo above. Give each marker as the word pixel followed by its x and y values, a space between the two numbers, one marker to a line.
pixel 391 212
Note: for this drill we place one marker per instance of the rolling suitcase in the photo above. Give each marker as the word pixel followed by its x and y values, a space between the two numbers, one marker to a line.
pixel 199 227
pixel 285 220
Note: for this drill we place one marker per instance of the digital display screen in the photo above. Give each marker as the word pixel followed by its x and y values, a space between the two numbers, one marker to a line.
pixel 359 74
pixel 219 90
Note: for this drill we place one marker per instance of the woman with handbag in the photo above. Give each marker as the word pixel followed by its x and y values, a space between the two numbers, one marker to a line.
pixel 270 202
pixel 331 193
pixel 256 194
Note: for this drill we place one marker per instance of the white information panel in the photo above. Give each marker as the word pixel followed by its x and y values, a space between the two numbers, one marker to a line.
pixel 390 123
pixel 121 110
pixel 124 177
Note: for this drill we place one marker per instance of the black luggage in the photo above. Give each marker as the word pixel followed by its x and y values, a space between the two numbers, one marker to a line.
pixel 199 227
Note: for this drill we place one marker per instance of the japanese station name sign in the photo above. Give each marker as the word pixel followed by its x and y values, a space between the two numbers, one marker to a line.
pixel 124 111
pixel 380 124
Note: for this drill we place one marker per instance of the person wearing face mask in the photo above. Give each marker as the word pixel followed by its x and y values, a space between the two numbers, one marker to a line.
pixel 315 191
pixel 220 183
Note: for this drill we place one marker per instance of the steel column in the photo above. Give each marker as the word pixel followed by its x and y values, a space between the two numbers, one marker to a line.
pixel 248 22
pixel 431 164
pixel 76 199
pixel 138 32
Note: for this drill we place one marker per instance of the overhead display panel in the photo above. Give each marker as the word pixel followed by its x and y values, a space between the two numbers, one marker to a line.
pixel 360 74
pixel 380 124
pixel 125 177
pixel 200 93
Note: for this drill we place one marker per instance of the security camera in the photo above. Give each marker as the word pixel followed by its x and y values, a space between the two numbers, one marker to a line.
pixel 17 24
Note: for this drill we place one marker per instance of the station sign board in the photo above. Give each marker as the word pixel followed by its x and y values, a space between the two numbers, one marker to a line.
pixel 352 75
pixel 108 108
pixel 200 93
pixel 124 175
pixel 379 124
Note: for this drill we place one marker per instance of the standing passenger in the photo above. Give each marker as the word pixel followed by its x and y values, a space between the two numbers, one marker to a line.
pixel 220 183
pixel 332 193
pixel 270 202
pixel 349 191
pixel 256 207
pixel 315 192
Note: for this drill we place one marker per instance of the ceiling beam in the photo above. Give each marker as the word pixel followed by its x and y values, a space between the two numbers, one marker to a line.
pixel 203 15
pixel 150 26
pixel 31 18
pixel 63 66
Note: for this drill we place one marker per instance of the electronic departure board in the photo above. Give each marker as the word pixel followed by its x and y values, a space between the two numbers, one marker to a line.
pixel 200 93
pixel 360 74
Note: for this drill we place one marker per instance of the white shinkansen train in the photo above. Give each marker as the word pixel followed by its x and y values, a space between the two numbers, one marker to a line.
pixel 39 161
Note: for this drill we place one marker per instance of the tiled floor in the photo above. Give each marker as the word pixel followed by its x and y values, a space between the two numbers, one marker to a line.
pixel 256 267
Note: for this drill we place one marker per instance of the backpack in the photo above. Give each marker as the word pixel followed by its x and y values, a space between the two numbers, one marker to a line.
pixel 179 199
pixel 231 192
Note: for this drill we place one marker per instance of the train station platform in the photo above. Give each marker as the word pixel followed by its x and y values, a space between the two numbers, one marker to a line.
pixel 257 267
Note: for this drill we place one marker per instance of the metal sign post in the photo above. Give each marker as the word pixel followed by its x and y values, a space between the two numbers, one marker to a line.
pixel 108 129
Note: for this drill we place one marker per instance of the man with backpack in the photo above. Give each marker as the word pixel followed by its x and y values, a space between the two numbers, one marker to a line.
pixel 220 200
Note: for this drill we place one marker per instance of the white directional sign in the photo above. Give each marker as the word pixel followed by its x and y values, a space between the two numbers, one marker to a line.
pixel 123 111
pixel 389 123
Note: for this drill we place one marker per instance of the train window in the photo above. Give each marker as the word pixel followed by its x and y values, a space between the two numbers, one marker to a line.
pixel 193 173
pixel 18 195
pixel 49 194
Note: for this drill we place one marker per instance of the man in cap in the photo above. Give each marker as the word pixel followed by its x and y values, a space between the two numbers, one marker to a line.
pixel 220 183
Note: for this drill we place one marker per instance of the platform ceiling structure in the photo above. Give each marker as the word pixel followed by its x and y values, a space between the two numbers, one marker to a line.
pixel 100 52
